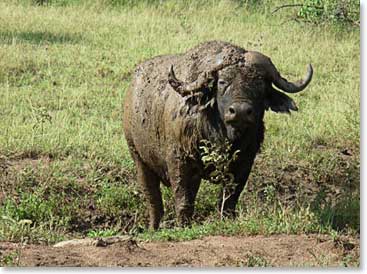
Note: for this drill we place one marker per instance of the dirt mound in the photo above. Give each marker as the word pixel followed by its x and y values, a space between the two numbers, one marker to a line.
pixel 276 250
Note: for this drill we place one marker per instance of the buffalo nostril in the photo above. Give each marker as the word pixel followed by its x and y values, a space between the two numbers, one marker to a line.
pixel 231 110
pixel 249 111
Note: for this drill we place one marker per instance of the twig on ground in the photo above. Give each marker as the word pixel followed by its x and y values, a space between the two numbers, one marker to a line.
pixel 292 6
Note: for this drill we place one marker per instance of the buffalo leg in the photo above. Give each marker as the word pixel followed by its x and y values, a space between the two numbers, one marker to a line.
pixel 231 199
pixel 185 186
pixel 151 189
pixel 185 202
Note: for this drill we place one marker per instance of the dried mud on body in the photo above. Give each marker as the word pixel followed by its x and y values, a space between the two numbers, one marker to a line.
pixel 252 251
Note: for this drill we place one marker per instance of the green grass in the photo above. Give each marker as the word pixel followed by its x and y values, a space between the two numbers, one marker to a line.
pixel 11 259
pixel 64 165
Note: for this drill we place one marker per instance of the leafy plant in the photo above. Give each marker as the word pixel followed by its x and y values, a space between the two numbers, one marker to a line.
pixel 102 233
pixel 345 11
pixel 218 158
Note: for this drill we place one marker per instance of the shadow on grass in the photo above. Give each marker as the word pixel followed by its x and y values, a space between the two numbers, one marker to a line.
pixel 39 37
pixel 341 214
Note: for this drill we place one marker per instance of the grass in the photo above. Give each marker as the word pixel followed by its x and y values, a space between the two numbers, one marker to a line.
pixel 65 170
pixel 11 259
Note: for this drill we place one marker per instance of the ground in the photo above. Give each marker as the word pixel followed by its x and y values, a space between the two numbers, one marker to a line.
pixel 274 250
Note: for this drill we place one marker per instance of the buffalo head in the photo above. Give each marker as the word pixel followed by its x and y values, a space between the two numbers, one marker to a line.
pixel 241 90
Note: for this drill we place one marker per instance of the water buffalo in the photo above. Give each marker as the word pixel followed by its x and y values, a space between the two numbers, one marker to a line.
pixel 216 91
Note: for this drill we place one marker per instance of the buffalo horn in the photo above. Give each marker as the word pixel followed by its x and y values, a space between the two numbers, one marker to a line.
pixel 253 58
pixel 188 88
pixel 290 87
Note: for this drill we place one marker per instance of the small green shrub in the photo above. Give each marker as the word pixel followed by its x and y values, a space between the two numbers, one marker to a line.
pixel 114 200
pixel 35 209
pixel 217 158
pixel 102 233
pixel 335 11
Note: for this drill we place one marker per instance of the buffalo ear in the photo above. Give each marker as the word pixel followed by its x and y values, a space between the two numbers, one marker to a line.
pixel 279 102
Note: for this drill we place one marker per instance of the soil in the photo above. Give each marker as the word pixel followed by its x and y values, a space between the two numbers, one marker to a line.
pixel 275 250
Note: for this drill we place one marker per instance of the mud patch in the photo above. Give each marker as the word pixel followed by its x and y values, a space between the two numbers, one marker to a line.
pixel 220 251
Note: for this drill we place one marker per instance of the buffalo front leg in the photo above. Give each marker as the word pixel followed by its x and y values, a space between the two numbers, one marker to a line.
pixel 185 185
pixel 228 198
pixel 185 201
pixel 151 188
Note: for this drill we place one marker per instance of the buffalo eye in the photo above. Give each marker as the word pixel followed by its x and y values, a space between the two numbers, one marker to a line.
pixel 222 85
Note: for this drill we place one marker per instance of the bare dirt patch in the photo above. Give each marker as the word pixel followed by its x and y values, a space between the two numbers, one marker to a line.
pixel 275 250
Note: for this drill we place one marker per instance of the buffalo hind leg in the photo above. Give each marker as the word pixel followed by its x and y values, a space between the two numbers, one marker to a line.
pixel 151 188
